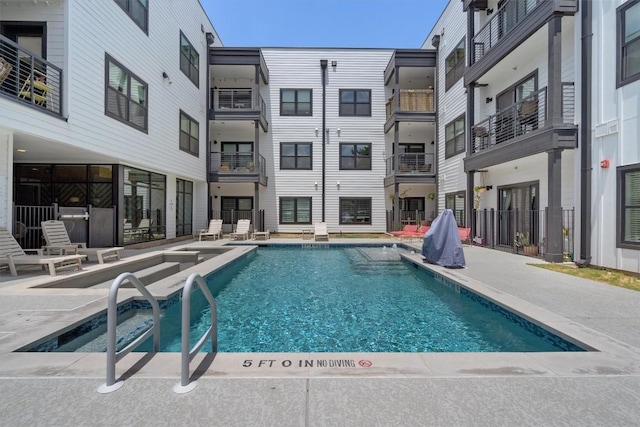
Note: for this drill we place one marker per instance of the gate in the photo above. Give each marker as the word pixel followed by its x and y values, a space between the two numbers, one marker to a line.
pixel 93 226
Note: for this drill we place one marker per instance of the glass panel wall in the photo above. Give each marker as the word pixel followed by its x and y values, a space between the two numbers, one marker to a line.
pixel 144 206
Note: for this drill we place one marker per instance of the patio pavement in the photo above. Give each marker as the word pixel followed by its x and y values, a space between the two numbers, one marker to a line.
pixel 489 389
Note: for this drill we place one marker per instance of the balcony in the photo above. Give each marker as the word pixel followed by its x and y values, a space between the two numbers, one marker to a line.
pixel 237 167
pixel 29 79
pixel 412 101
pixel 410 167
pixel 526 122
pixel 238 104
pixel 509 26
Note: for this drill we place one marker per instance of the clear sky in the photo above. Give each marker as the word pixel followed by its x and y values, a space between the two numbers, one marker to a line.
pixel 324 23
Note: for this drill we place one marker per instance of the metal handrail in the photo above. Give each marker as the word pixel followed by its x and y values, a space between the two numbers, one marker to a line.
pixel 114 356
pixel 212 332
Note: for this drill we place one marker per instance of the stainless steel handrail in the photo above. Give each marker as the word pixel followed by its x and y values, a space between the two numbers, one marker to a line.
pixel 114 356
pixel 187 355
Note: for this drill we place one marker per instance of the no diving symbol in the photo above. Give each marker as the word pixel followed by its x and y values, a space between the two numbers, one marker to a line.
pixel 365 363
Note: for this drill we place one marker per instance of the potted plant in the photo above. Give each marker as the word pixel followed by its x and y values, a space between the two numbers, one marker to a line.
pixel 431 196
pixel 477 191
pixel 522 241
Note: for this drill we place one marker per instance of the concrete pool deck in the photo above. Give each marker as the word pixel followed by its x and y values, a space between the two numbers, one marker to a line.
pixel 590 388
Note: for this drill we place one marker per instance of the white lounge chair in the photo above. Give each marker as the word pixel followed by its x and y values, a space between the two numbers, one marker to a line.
pixel 59 243
pixel 242 230
pixel 214 231
pixel 321 232
pixel 12 254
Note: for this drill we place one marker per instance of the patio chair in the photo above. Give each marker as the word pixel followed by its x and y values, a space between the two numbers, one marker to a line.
pixel 407 230
pixel 320 232
pixel 214 231
pixel 12 254
pixel 59 243
pixel 242 230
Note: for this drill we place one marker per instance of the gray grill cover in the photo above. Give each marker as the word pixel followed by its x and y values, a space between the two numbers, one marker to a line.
pixel 441 244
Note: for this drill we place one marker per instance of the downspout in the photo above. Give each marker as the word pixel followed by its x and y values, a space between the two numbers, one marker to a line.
pixel 585 133
pixel 323 68
pixel 470 121
pixel 208 133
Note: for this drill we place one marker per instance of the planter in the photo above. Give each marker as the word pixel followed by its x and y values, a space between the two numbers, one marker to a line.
pixel 530 250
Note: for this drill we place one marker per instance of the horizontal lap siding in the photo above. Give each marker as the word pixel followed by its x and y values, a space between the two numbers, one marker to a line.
pixel 356 69
pixel 102 27
pixel 452 102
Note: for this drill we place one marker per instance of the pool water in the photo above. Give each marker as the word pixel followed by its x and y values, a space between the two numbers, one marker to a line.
pixel 357 299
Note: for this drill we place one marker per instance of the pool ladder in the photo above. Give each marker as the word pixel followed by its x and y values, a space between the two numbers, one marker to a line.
pixel 187 355
pixel 113 356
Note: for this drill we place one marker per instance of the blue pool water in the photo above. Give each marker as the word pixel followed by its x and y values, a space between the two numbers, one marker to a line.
pixel 328 299
pixel 357 299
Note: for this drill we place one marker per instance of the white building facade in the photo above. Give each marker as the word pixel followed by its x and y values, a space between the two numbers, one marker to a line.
pixel 103 111
pixel 301 136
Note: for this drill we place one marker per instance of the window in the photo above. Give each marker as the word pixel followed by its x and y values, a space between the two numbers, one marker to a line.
pixel 454 137
pixel 629 206
pixel 295 102
pixel 295 210
pixel 189 60
pixel 455 202
pixel 67 185
pixel 138 10
pixel 355 102
pixel 628 26
pixel 454 65
pixel 355 211
pixel 235 208
pixel 355 156
pixel 184 207
pixel 295 155
pixel 126 95
pixel 189 135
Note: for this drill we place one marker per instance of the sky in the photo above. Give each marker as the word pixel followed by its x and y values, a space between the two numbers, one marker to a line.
pixel 324 23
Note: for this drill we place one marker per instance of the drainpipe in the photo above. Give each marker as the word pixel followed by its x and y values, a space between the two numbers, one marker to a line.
pixel 323 68
pixel 585 133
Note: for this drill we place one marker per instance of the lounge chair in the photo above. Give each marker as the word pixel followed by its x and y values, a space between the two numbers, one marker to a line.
pixel 59 243
pixel 214 231
pixel 321 232
pixel 406 231
pixel 422 230
pixel 12 254
pixel 242 230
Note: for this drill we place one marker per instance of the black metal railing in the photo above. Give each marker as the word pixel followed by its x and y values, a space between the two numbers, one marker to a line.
pixel 411 163
pixel 521 231
pixel 504 21
pixel 29 78
pixel 237 100
pixel 237 163
pixel 521 118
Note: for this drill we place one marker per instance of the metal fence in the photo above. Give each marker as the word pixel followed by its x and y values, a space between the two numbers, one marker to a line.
pixel 521 231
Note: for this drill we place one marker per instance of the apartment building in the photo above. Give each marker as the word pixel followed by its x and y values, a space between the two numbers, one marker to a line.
pixel 342 136
pixel 536 110
pixel 508 114
pixel 103 118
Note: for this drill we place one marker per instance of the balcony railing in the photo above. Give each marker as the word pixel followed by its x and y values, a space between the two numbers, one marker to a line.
pixel 237 100
pixel 503 22
pixel 418 100
pixel 237 163
pixel 29 78
pixel 521 118
pixel 411 163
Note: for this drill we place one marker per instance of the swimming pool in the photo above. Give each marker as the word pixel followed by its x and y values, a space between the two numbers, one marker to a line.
pixel 323 298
